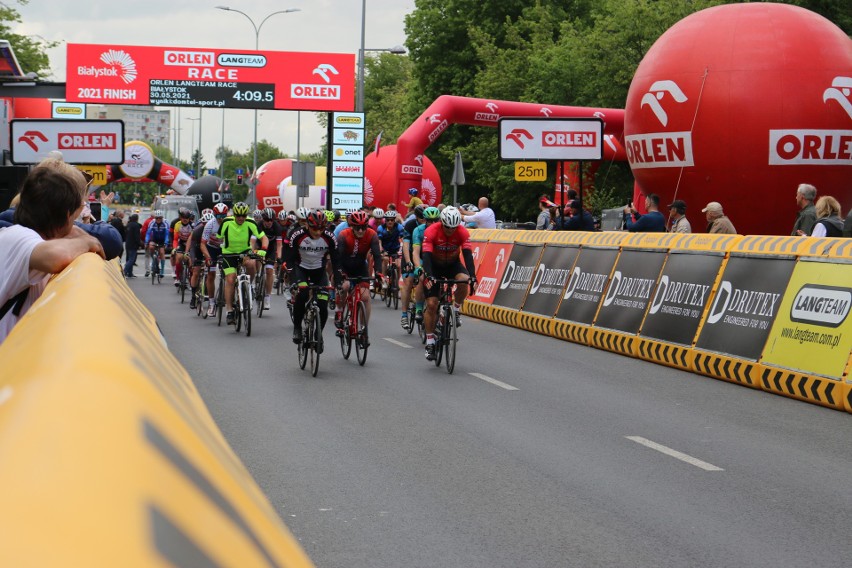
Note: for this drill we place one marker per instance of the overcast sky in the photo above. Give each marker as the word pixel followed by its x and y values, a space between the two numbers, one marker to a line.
pixel 321 26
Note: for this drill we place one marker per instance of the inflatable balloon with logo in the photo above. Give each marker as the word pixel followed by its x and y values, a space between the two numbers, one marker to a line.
pixel 380 180
pixel 275 187
pixel 209 190
pixel 739 104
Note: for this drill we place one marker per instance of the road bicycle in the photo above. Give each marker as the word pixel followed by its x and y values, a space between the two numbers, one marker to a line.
pixel 220 291
pixel 243 295
pixel 201 289
pixel 310 348
pixel 392 291
pixel 260 288
pixel 280 279
pixel 156 275
pixel 446 328
pixel 184 277
pixel 354 321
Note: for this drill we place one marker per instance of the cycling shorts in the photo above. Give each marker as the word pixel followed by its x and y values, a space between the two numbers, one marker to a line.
pixel 231 262
pixel 446 271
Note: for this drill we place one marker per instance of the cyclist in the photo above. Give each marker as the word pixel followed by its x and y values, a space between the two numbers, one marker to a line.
pixel 345 223
pixel 354 243
pixel 257 215
pixel 390 238
pixel 377 219
pixel 442 243
pixel 157 239
pixel 193 245
pixel 408 264
pixel 430 215
pixel 211 248
pixel 301 216
pixel 274 232
pixel 182 231
pixel 235 233
pixel 306 256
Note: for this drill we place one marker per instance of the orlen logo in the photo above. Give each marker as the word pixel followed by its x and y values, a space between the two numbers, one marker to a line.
pixel 656 92
pixel 89 141
pixel 569 139
pixel 821 305
pixel 812 146
pixel 442 125
pixel 490 116
pixel 323 92
pixel 414 170
pixel 519 136
pixel 323 69
pixel 660 149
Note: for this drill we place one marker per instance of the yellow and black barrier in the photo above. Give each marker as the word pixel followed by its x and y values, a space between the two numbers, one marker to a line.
pixel 766 312
pixel 109 456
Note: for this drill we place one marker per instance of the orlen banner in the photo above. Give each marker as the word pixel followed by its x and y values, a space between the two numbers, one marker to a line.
pixel 745 305
pixel 630 290
pixel 186 76
pixel 517 276
pixel 587 285
pixel 681 296
pixel 478 249
pixel 490 271
pixel 813 330
pixel 551 275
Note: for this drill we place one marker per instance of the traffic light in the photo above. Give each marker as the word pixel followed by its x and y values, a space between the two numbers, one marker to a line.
pixel 239 179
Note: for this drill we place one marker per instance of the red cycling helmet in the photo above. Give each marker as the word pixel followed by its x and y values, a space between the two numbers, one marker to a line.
pixel 316 219
pixel 359 218
pixel 220 209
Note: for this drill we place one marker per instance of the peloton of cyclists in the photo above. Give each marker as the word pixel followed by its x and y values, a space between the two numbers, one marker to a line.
pixel 235 234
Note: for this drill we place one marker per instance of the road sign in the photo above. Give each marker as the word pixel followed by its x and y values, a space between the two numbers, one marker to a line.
pixel 551 139
pixel 530 171
pixel 98 173
pixel 80 141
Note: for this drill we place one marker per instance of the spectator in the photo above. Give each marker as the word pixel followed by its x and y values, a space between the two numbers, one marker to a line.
pixel 484 218
pixel 805 221
pixel 717 222
pixel 117 222
pixel 847 225
pixel 578 219
pixel 546 217
pixel 415 201
pixel 132 245
pixel 651 222
pixel 677 215
pixel 44 240
pixel 829 223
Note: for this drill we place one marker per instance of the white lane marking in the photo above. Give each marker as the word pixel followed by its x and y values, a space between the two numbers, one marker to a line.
pixel 400 343
pixel 488 379
pixel 675 454
pixel 5 394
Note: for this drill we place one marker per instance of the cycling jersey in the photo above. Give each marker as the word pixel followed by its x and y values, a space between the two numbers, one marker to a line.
pixel 353 250
pixel 158 233
pixel 196 254
pixel 390 239
pixel 444 248
pixel 309 253
pixel 417 237
pixel 181 233
pixel 236 238
pixel 274 234
pixel 210 235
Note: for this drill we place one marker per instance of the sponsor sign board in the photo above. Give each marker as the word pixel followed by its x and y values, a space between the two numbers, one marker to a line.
pixel 813 329
pixel 71 111
pixel 586 285
pixel 745 305
pixel 681 296
pixel 630 290
pixel 80 141
pixel 348 169
pixel 207 77
pixel 551 138
pixel 139 160
pixel 551 275
pixel 516 279
pixel 348 153
pixel 490 271
pixel 346 159
pixel 346 185
pixel 348 135
pixel 347 201
pixel 478 250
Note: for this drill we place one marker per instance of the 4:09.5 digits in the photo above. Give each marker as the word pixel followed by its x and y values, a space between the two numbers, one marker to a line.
pixel 255 96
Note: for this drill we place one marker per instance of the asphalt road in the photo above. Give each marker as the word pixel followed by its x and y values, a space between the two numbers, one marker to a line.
pixel 594 460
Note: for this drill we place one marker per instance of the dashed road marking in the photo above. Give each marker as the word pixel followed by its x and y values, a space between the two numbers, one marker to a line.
pixel 400 343
pixel 675 454
pixel 495 382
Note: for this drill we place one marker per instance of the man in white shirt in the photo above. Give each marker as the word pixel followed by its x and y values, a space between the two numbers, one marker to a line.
pixel 484 218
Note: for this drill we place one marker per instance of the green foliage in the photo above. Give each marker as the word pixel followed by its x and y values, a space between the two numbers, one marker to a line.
pixel 31 51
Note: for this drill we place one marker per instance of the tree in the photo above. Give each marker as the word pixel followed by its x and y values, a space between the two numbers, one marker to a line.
pixel 31 53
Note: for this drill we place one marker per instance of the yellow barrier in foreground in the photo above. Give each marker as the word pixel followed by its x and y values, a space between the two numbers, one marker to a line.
pixel 108 456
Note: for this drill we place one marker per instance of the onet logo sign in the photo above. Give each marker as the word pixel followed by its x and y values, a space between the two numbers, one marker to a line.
pixel 827 306
pixel 656 93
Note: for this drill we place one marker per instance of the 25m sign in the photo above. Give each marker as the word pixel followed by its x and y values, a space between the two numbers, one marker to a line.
pixel 79 141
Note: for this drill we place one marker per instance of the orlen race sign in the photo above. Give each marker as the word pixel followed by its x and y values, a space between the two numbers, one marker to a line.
pixel 79 141
pixel 551 139
pixel 178 76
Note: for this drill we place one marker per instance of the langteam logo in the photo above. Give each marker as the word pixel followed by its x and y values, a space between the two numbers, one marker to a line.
pixel 241 60
pixel 660 149
pixel 827 306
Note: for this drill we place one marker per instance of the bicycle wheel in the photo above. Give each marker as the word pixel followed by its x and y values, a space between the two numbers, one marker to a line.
pixel 317 338
pixel 303 346
pixel 362 340
pixel 220 301
pixel 247 307
pixel 450 339
pixel 259 290
pixel 182 287
pixel 439 335
pixel 393 290
pixel 346 338
pixel 155 266
pixel 237 306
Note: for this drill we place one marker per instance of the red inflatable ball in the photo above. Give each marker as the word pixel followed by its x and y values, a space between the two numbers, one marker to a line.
pixel 380 182
pixel 269 176
pixel 740 104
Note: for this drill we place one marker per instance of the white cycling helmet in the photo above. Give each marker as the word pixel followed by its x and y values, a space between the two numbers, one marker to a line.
pixel 378 213
pixel 472 209
pixel 157 213
pixel 257 214
pixel 207 216
pixel 450 217
pixel 302 213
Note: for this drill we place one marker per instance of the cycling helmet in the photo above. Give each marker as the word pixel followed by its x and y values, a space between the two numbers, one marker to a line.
pixel 282 215
pixel 206 210
pixel 432 214
pixel 471 208
pixel 220 209
pixel 184 212
pixel 158 213
pixel 316 219
pixel 378 213
pixel 241 209
pixel 207 216
pixel 329 215
pixel 390 215
pixel 359 218
pixel 268 214
pixel 302 213
pixel 413 191
pixel 257 214
pixel 450 217
pixel 418 211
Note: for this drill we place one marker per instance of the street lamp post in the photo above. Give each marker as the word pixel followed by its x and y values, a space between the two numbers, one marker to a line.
pixel 196 155
pixel 399 50
pixel 257 47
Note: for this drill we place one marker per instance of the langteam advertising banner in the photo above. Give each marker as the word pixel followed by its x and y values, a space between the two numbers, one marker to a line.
pixel 490 271
pixel 681 296
pixel 813 330
pixel 630 290
pixel 587 285
pixel 551 275
pixel 745 305
pixel 201 77
pixel 517 276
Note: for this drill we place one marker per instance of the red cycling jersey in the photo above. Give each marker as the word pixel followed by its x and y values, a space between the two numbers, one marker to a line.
pixel 445 248
pixel 351 246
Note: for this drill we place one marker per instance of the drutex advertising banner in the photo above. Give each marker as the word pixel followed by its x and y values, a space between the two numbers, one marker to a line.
pixel 633 283
pixel 202 77
pixel 813 330
pixel 490 271
pixel 745 305
pixel 550 278
pixel 517 276
pixel 586 285
pixel 681 296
